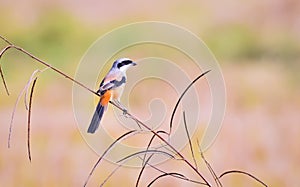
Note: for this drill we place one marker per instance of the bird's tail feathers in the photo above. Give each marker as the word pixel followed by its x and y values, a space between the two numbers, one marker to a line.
pixel 96 118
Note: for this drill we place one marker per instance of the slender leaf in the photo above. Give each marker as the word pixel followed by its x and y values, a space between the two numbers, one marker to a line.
pixel 244 173
pixel 111 174
pixel 181 96
pixel 25 90
pixel 179 177
pixel 4 39
pixel 29 119
pixel 106 151
pixel 142 169
pixel 150 142
pixel 189 138
pixel 212 172
pixel 3 80
pixel 164 175
pixel 145 152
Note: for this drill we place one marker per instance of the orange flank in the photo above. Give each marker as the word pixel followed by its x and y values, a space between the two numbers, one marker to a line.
pixel 105 98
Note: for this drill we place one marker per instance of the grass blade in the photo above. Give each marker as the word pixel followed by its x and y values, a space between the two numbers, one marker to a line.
pixel 150 142
pixel 244 173
pixel 110 175
pixel 3 80
pixel 164 175
pixel 145 152
pixel 13 115
pixel 25 90
pixel 4 39
pixel 189 138
pixel 181 96
pixel 29 118
pixel 106 151
pixel 212 172
pixel 176 176
pixel 142 169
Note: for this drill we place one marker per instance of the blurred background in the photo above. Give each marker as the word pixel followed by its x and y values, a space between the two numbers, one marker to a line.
pixel 257 44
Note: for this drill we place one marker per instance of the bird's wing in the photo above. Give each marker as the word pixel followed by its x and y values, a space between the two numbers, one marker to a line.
pixel 111 82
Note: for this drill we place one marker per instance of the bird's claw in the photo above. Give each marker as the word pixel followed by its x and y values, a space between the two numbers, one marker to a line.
pixel 125 111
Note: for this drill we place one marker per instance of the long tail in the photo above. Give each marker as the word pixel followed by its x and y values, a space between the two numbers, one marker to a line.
pixel 96 118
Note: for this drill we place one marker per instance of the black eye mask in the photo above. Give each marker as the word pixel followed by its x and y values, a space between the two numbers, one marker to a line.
pixel 126 62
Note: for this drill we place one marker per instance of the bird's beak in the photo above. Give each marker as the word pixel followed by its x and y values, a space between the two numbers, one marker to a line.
pixel 134 64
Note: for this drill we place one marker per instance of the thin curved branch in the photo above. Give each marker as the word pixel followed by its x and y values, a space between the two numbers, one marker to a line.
pixel 106 151
pixel 3 80
pixel 1 72
pixel 180 98
pixel 145 162
pixel 13 116
pixel 143 168
pixel 110 175
pixel 4 39
pixel 33 76
pixel 24 90
pixel 150 142
pixel 182 178
pixel 47 65
pixel 145 152
pixel 211 170
pixel 244 173
pixel 164 175
pixel 29 118
pixel 189 138
pixel 5 49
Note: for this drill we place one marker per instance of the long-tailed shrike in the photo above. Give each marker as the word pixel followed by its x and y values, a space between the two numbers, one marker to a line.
pixel 111 87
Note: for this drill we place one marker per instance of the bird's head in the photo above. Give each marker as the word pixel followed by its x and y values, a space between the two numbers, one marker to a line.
pixel 123 64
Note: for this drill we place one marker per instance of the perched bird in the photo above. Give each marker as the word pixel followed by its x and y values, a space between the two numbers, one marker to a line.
pixel 111 87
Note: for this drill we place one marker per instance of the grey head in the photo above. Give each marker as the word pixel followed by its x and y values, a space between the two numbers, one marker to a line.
pixel 123 64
